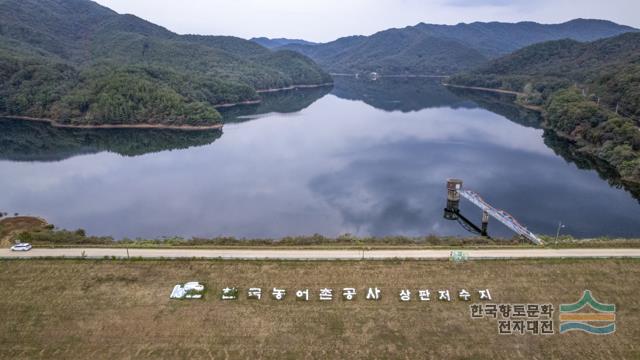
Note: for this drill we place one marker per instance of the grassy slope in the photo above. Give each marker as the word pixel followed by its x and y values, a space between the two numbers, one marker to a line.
pixel 32 230
pixel 117 309
pixel 11 227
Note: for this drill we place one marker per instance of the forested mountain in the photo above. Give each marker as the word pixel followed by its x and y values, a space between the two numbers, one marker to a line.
pixel 77 62
pixel 274 43
pixel 445 49
pixel 590 93
pixel 608 68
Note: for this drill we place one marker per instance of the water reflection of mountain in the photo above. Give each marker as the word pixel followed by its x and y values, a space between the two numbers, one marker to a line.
pixel 501 104
pixel 36 141
pixel 569 152
pixel 283 102
pixel 399 94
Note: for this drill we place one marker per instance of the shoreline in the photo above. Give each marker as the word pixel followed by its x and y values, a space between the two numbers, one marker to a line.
pixel 56 124
pixel 588 149
pixel 577 141
pixel 271 90
pixel 219 126
pixel 500 91
pixel 228 105
pixel 293 87
pixel 44 235
pixel 497 91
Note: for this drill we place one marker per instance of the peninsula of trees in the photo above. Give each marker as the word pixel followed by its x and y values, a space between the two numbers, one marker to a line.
pixel 77 63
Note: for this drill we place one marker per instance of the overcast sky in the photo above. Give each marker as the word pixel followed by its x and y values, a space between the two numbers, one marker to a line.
pixel 326 20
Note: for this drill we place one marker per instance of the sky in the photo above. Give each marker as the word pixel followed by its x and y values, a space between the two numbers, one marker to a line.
pixel 327 20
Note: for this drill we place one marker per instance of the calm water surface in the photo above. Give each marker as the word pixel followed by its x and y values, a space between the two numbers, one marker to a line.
pixel 366 158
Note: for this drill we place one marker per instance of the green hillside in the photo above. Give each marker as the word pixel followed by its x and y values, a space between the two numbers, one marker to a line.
pixel 77 62
pixel 394 52
pixel 589 91
pixel 445 49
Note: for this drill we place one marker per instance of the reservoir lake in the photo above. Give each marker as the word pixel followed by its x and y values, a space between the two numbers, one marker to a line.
pixel 362 157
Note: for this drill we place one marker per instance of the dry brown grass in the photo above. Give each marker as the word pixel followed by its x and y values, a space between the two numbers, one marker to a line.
pixel 40 234
pixel 10 227
pixel 77 309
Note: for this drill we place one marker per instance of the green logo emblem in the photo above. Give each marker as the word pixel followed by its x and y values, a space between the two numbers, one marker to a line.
pixel 573 320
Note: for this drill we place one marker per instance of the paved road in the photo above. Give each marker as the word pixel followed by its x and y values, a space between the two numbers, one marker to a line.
pixel 258 254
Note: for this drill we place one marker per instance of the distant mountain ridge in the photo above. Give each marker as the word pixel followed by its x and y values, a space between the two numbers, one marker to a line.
pixel 445 49
pixel 80 63
pixel 495 39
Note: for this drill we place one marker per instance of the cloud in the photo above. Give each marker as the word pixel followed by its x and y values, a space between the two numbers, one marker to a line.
pixel 327 20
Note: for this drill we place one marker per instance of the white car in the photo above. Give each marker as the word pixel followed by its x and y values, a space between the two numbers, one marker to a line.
pixel 21 247
pixel 193 286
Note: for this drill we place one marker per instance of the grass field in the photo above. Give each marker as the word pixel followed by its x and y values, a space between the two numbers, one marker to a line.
pixel 78 309
pixel 41 234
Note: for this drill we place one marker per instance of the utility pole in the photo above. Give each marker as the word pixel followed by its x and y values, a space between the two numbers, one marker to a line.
pixel 560 226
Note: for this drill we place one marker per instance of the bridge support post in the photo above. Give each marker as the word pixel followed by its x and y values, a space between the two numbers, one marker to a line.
pixel 485 223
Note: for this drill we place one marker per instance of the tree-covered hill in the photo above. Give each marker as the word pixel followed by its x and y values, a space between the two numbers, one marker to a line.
pixel 77 62
pixel 590 93
pixel 608 68
pixel 445 49
pixel 393 52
